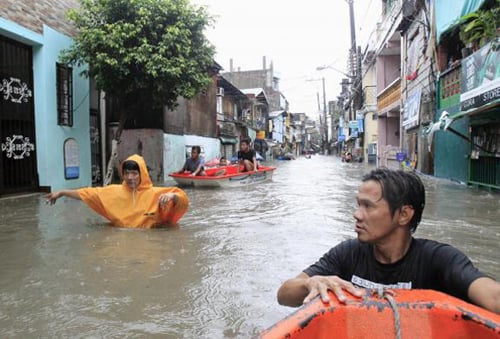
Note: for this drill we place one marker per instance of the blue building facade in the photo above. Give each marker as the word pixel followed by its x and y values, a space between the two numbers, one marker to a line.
pixel 53 148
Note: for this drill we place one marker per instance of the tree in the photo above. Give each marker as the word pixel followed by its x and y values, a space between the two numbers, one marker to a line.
pixel 145 53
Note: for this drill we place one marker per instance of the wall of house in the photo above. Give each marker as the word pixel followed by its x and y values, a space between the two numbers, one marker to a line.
pixel 50 136
pixel 175 147
pixel 416 61
pixel 33 14
pixel 451 153
pixel 149 144
pixel 195 116
pixel 388 70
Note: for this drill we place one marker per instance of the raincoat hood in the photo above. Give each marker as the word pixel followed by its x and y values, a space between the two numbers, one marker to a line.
pixel 146 182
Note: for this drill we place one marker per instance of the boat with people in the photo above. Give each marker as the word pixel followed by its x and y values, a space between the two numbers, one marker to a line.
pixel 226 176
pixel 388 314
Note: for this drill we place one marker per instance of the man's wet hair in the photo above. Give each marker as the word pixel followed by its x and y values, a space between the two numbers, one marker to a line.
pixel 400 188
pixel 130 165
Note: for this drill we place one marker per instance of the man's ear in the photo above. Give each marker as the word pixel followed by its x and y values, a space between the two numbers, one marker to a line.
pixel 405 214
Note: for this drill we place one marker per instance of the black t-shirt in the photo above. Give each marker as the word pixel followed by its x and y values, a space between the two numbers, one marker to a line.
pixel 427 265
pixel 246 155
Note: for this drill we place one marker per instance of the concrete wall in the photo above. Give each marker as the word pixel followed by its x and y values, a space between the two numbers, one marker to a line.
pixel 175 146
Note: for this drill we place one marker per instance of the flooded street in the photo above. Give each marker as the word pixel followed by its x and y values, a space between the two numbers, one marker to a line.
pixel 64 273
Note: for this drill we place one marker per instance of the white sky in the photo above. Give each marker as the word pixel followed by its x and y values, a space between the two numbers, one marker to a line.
pixel 297 36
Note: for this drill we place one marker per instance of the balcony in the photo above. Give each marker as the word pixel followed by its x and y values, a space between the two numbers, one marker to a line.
pixel 389 99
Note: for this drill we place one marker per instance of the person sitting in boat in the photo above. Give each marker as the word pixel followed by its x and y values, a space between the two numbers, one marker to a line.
pixel 223 161
pixel 195 163
pixel 247 157
pixel 134 203
pixel 385 253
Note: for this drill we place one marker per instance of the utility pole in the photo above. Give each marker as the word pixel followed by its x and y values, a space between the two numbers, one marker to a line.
pixel 325 131
pixel 355 64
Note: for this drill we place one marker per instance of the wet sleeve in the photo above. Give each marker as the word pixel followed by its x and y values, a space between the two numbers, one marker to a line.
pixel 91 196
pixel 174 212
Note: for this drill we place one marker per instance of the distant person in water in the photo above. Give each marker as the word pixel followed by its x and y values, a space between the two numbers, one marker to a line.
pixel 195 163
pixel 247 157
pixel 134 203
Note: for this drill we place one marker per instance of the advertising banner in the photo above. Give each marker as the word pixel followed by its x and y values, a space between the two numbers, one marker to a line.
pixel 480 82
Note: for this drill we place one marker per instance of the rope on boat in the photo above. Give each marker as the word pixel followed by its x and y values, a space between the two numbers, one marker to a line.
pixel 387 294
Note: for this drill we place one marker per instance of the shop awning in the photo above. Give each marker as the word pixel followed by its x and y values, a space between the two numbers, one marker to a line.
pixel 449 12
pixel 228 140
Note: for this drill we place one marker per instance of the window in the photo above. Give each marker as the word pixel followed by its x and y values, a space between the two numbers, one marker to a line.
pixel 64 95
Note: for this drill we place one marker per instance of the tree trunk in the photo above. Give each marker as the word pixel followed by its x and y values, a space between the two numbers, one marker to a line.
pixel 108 178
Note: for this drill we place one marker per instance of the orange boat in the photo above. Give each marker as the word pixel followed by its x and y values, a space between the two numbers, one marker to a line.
pixel 227 176
pixel 408 314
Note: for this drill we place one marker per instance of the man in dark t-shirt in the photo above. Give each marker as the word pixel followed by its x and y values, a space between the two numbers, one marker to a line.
pixel 246 157
pixel 385 254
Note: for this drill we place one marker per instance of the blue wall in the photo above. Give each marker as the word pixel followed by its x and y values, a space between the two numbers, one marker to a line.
pixel 50 136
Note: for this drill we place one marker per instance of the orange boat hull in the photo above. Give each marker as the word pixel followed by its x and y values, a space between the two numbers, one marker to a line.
pixel 420 314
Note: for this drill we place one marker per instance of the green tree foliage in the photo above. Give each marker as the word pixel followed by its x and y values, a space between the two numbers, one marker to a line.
pixel 480 26
pixel 143 52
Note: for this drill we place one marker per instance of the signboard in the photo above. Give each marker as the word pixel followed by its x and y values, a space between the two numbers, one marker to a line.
pixel 71 159
pixel 353 124
pixel 412 109
pixel 480 81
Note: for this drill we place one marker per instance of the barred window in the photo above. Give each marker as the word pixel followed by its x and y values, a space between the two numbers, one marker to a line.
pixel 64 95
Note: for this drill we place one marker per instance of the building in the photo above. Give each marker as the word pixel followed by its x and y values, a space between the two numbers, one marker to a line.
pixel 466 142
pixel 46 108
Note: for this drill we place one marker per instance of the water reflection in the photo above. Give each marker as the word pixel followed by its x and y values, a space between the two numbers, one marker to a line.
pixel 64 273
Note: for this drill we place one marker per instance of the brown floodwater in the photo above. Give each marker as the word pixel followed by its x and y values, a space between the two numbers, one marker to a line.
pixel 65 273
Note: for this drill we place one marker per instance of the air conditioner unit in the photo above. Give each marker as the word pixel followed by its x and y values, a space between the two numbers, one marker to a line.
pixel 220 91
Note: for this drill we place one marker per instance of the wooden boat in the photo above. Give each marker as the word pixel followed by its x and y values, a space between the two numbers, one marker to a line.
pixel 225 177
pixel 415 314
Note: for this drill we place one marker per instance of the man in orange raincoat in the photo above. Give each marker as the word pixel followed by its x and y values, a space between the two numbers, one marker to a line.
pixel 135 203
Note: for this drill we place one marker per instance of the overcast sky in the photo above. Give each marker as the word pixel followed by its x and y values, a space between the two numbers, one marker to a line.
pixel 297 36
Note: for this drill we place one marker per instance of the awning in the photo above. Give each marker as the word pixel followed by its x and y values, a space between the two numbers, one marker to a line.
pixel 228 140
pixel 449 12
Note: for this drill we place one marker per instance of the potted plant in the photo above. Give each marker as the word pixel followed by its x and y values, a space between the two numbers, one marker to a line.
pixel 480 27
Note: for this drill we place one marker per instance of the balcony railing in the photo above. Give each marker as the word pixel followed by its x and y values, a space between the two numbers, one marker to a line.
pixel 449 87
pixel 390 97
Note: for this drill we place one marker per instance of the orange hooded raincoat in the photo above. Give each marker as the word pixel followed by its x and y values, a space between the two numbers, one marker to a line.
pixel 139 207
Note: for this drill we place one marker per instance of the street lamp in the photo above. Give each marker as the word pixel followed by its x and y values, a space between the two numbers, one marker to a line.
pixel 322 68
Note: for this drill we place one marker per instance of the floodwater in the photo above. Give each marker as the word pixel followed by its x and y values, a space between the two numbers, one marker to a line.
pixel 64 273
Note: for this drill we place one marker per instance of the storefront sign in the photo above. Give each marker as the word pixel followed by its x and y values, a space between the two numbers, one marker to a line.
pixel 412 109
pixel 353 124
pixel 480 83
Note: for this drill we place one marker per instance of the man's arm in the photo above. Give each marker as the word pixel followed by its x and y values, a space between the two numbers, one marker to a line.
pixel 485 292
pixel 303 288
pixel 182 169
pixel 52 197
